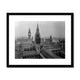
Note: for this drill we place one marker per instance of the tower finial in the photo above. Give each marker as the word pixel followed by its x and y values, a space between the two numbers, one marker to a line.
pixel 29 34
pixel 37 28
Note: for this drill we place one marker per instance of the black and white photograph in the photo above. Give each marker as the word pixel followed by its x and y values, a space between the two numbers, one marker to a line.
pixel 40 39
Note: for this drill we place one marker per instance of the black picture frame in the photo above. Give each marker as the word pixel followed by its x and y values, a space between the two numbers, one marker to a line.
pixel 39 66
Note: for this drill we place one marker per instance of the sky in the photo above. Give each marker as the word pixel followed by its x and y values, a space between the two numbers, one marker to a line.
pixel 46 28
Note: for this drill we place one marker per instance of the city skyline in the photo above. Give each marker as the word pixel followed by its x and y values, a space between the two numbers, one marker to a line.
pixel 46 28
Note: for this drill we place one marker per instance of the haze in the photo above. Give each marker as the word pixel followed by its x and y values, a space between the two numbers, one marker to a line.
pixel 46 28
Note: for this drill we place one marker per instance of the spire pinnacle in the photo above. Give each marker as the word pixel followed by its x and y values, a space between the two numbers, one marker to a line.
pixel 37 28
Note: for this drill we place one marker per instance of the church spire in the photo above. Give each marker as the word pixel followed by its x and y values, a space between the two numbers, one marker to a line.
pixel 37 28
pixel 37 36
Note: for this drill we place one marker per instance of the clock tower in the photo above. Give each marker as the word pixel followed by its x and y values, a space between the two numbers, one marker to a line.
pixel 29 34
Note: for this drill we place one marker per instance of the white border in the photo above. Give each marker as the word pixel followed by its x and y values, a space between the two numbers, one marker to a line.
pixel 13 19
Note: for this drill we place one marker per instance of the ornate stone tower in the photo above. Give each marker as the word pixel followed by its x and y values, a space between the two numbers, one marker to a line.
pixel 29 34
pixel 37 36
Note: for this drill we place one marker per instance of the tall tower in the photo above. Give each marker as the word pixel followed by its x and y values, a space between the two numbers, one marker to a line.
pixel 29 34
pixel 37 36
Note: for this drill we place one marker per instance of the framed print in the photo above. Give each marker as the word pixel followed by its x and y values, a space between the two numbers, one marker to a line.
pixel 40 40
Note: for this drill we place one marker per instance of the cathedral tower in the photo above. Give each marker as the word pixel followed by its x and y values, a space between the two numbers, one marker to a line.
pixel 37 36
